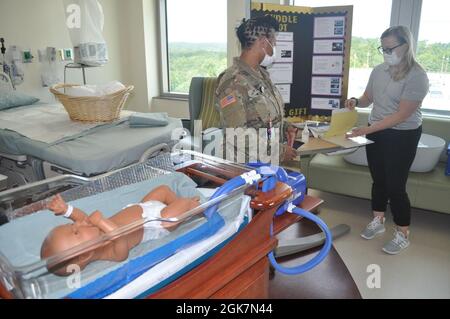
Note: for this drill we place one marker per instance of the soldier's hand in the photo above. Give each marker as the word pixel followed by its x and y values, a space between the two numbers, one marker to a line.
pixel 291 135
pixel 289 153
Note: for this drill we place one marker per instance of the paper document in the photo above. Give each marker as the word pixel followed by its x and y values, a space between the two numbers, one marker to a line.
pixel 325 103
pixel 346 142
pixel 329 27
pixel 329 46
pixel 285 36
pixel 281 73
pixel 328 65
pixel 285 91
pixel 324 85
pixel 342 121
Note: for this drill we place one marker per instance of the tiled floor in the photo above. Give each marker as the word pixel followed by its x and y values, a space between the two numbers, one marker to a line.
pixel 421 271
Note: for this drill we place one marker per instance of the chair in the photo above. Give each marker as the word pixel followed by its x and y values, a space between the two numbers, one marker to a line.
pixel 201 107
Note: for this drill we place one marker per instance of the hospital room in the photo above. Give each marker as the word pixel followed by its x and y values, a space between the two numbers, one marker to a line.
pixel 224 149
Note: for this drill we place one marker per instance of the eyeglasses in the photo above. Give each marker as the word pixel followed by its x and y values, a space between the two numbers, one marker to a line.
pixel 389 50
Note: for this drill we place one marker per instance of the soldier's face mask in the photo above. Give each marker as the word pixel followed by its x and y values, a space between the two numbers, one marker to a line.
pixel 268 60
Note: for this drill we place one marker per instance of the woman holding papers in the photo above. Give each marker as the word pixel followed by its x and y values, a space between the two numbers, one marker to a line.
pixel 247 99
pixel 396 89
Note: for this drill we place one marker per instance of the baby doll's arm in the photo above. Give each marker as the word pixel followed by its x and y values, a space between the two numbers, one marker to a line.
pixel 120 245
pixel 60 207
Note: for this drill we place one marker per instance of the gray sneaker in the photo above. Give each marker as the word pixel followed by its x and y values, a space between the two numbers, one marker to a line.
pixel 396 245
pixel 375 227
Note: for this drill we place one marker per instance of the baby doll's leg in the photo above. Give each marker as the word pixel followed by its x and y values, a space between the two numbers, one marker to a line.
pixel 162 194
pixel 177 208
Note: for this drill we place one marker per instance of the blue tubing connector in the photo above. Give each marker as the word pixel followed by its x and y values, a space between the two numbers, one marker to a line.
pixel 318 258
pixel 225 189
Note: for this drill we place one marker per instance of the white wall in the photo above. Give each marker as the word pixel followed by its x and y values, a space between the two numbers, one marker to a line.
pixel 38 24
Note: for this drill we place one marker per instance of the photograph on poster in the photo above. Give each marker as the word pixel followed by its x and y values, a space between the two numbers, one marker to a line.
pixel 281 73
pixel 337 47
pixel 325 103
pixel 329 46
pixel 329 27
pixel 329 65
pixel 324 85
pixel 285 52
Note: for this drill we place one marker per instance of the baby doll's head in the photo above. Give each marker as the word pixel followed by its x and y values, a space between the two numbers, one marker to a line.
pixel 67 236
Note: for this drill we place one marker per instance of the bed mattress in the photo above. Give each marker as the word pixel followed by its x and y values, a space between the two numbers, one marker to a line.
pixel 101 150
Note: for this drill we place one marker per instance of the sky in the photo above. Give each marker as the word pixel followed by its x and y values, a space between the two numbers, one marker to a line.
pixel 205 20
pixel 435 21
pixel 197 21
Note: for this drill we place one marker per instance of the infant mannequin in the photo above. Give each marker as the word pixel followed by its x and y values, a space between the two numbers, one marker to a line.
pixel 160 202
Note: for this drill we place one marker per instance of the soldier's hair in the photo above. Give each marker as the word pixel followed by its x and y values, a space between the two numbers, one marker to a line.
pixel 252 29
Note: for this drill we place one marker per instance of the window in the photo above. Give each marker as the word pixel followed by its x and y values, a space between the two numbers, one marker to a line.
pixel 194 41
pixel 433 53
pixel 370 19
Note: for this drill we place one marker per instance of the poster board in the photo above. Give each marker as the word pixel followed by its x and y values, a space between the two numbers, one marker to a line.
pixel 311 69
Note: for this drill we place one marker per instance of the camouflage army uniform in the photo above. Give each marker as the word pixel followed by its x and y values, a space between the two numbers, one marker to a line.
pixel 247 98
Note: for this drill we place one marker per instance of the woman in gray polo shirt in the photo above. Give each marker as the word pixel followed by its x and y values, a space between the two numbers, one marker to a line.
pixel 396 89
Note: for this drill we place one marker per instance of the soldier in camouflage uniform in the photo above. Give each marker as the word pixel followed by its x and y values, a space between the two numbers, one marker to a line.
pixel 247 98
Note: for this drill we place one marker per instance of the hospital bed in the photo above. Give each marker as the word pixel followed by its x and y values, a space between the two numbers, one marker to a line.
pixel 94 151
pixel 222 249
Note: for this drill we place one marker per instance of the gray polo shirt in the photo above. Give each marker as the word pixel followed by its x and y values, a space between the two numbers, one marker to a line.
pixel 387 93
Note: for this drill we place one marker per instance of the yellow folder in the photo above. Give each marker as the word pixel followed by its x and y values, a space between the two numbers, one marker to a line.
pixel 342 122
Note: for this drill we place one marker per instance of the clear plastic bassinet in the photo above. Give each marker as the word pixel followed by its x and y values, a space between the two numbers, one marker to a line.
pixel 24 275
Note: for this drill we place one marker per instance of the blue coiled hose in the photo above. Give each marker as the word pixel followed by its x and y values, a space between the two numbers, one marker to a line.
pixel 281 175
pixel 318 258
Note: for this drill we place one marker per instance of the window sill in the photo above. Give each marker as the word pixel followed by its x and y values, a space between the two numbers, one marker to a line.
pixel 173 97
pixel 426 113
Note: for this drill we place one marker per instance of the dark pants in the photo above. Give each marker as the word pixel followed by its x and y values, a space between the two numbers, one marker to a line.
pixel 390 159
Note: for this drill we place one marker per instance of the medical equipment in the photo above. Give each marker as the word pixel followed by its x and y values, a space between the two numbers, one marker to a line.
pixel 244 256
pixel 5 71
pixel 86 34
pixel 14 60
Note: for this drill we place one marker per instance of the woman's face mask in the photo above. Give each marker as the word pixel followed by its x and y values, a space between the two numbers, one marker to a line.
pixel 392 50
pixel 392 59
pixel 268 60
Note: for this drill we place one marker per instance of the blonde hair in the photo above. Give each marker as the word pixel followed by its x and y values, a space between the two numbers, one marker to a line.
pixel 403 35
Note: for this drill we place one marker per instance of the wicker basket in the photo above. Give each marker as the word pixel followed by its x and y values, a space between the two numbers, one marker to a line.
pixel 92 108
